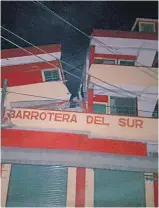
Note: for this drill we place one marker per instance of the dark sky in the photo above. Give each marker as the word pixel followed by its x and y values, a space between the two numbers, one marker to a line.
pixel 40 27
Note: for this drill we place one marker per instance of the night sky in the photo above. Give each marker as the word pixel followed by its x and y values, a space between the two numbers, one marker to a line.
pixel 39 27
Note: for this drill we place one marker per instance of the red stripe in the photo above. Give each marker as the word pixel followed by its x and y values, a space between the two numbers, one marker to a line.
pixel 90 100
pixel 80 187
pixel 116 56
pixel 18 52
pixel 31 66
pixel 69 141
pixel 28 73
pixel 125 34
pixel 101 98
pixel 156 190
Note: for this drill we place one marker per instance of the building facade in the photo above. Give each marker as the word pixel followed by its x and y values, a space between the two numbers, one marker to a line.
pixel 104 156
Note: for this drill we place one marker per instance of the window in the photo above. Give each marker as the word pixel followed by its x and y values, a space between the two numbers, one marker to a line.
pixel 123 106
pixel 145 27
pixel 127 63
pixel 104 61
pixel 51 75
pixel 99 108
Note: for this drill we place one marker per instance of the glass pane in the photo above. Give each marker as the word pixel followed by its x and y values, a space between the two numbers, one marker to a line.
pixel 111 62
pixel 99 108
pixel 118 189
pixel 51 75
pixel 104 61
pixel 127 63
pixel 123 106
pixel 98 61
pixel 147 27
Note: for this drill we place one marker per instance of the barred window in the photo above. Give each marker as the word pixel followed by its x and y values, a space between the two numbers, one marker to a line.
pixel 123 106
pixel 127 63
pixel 51 75
pixel 144 27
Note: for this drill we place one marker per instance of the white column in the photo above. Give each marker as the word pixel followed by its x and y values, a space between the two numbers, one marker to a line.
pixel 71 187
pixel 6 168
pixel 149 189
pixel 89 188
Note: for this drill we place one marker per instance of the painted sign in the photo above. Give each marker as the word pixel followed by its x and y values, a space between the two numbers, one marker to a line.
pixel 109 126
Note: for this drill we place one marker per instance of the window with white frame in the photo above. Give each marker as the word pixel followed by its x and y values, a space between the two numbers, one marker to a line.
pixel 50 75
pixel 127 62
pixel 105 61
pixel 147 27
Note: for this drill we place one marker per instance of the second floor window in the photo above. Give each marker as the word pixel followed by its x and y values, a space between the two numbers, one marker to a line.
pixel 51 75
pixel 145 27
pixel 127 63
pixel 123 106
pixel 104 61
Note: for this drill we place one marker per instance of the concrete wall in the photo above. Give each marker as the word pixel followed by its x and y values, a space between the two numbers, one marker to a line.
pixel 144 50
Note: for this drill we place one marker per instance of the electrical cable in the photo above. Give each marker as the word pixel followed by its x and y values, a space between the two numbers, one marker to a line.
pixel 40 57
pixel 104 45
pixel 45 60
pixel 86 35
pixel 66 100
pixel 67 63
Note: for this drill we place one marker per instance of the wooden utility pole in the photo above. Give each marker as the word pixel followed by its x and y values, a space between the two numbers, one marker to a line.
pixel 3 96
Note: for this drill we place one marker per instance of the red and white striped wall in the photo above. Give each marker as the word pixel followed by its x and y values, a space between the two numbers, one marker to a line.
pixel 151 189
pixel 19 63
pixel 80 187
pixel 17 56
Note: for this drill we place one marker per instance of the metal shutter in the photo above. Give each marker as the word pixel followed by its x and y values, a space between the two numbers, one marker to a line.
pixel 118 189
pixel 37 186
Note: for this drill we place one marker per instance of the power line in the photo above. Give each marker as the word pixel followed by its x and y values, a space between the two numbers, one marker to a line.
pixel 18 93
pixel 66 100
pixel 65 63
pixel 45 60
pixel 54 65
pixel 86 35
pixel 39 57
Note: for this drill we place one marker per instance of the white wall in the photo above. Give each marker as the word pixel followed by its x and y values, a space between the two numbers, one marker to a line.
pixel 144 49
pixel 30 59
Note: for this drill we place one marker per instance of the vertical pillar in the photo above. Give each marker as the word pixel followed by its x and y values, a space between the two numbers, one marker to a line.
pixel 89 192
pixel 6 168
pixel 71 187
pixel 80 187
pixel 149 190
pixel 4 91
pixel 155 176
pixel 90 100
pixel 92 55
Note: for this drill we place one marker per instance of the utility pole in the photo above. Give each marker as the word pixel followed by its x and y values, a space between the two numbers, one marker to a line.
pixel 3 96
